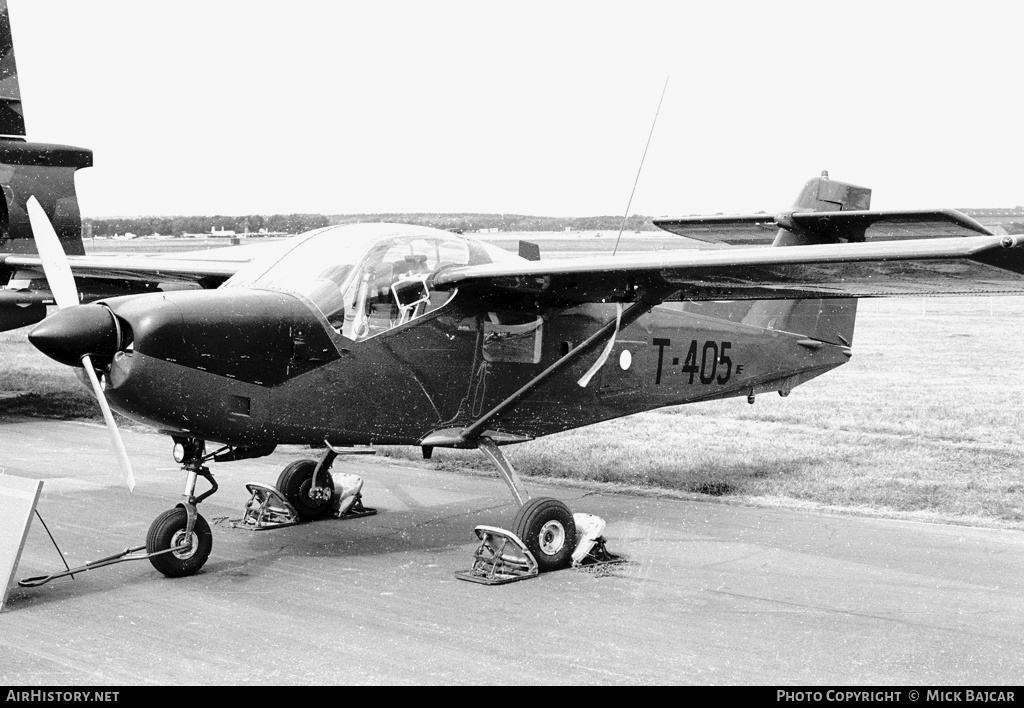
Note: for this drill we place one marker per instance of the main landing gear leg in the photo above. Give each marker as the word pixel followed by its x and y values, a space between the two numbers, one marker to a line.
pixel 544 525
pixel 505 469
pixel 180 537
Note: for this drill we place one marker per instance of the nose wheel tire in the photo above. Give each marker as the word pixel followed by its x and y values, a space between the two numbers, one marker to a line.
pixel 295 484
pixel 547 528
pixel 168 531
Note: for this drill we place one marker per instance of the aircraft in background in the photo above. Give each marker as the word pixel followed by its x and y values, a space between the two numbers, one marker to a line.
pixel 27 169
pixel 47 172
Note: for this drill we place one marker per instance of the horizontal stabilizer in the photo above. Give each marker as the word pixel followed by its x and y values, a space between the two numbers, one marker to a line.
pixel 852 226
pixel 746 230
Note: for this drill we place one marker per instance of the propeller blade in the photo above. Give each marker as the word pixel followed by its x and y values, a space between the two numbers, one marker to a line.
pixel 115 434
pixel 55 263
pixel 65 293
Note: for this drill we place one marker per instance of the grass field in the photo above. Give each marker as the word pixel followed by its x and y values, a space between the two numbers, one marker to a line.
pixel 924 422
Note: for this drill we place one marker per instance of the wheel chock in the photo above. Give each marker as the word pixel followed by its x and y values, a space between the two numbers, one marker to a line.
pixel 598 555
pixel 355 509
pixel 500 558
pixel 590 544
pixel 348 498
pixel 268 509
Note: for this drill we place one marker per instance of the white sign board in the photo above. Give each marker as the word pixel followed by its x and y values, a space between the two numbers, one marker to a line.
pixel 18 497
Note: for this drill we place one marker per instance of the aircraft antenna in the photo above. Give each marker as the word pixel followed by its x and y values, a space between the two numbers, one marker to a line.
pixel 637 180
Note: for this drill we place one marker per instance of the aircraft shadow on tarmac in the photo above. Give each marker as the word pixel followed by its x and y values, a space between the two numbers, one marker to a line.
pixel 398 531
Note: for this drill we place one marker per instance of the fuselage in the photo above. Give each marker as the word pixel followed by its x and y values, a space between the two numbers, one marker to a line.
pixel 265 370
pixel 366 360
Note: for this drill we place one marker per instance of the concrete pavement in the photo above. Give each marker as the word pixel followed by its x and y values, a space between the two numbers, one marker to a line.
pixel 714 593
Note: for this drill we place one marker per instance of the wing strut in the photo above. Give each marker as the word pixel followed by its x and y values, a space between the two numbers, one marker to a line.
pixel 470 434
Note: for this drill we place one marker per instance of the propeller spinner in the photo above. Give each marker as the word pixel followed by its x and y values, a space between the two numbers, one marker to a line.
pixel 77 331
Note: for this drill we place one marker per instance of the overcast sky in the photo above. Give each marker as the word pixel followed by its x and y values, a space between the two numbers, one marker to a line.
pixel 524 107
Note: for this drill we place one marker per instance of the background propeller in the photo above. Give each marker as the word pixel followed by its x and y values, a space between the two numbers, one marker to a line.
pixel 65 293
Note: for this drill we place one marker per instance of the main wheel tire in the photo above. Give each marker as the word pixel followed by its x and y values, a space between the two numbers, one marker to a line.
pixel 547 528
pixel 294 483
pixel 168 531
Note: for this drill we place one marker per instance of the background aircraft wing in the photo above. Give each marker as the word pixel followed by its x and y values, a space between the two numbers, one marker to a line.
pixel 987 264
pixel 854 226
pixel 208 267
pixel 139 268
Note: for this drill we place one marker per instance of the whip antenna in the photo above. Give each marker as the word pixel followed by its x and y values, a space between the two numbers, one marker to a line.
pixel 637 180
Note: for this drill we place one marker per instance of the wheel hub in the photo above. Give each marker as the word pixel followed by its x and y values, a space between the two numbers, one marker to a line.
pixel 316 495
pixel 320 494
pixel 178 539
pixel 551 538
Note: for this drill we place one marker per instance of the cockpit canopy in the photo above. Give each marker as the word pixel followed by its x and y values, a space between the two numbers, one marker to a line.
pixel 368 278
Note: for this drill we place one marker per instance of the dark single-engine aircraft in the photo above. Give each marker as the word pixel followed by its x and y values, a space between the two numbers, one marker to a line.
pixel 404 335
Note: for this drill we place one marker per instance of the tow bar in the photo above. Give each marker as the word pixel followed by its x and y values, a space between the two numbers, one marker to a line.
pixel 122 557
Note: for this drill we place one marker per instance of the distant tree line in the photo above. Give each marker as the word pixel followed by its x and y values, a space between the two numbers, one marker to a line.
pixel 180 225
pixel 467 223
pixel 298 223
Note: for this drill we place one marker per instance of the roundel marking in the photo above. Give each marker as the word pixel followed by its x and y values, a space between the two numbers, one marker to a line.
pixel 625 360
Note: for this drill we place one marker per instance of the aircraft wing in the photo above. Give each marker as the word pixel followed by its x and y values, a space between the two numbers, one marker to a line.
pixel 987 264
pixel 853 226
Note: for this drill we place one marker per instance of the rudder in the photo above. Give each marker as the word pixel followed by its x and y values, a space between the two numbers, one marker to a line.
pixel 825 319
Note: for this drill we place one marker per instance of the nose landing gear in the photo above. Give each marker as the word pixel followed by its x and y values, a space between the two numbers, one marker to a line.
pixel 191 548
pixel 182 530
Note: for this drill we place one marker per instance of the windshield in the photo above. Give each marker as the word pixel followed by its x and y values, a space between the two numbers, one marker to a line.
pixel 364 278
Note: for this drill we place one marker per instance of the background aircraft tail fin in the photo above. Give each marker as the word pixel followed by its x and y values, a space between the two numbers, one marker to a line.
pixel 47 172
pixel 12 121
pixel 40 170
pixel 825 319
pixel 29 169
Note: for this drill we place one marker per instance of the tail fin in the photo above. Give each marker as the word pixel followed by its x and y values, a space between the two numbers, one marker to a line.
pixel 827 320
pixel 33 169
pixel 822 194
